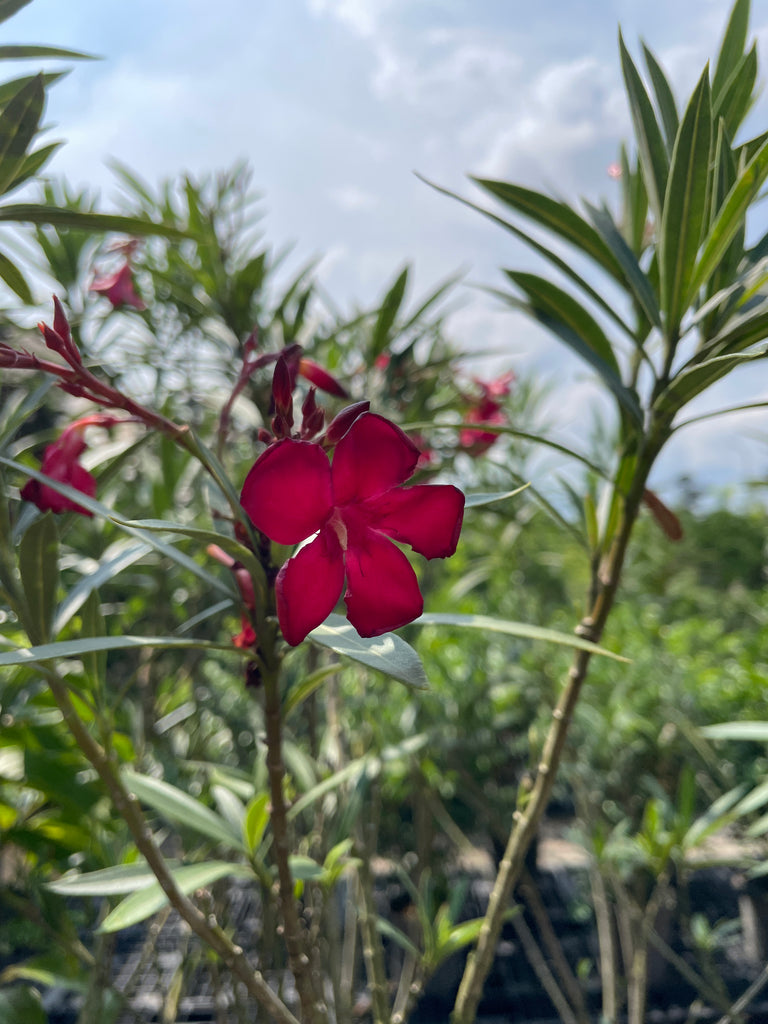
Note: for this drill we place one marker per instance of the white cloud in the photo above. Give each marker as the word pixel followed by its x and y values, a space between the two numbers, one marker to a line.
pixel 363 17
pixel 566 108
pixel 352 199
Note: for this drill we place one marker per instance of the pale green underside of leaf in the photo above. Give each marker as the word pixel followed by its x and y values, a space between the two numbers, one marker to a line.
pixel 755 732
pixel 76 648
pixel 519 629
pixel 479 499
pixel 142 904
pixel 388 654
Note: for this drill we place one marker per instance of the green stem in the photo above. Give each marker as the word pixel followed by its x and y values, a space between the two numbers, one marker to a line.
pixel 527 819
pixel 128 807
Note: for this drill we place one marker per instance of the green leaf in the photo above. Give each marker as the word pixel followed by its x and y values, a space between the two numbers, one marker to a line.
pixel 15 280
pixel 664 97
pixel 650 142
pixel 488 498
pixel 101 510
pixel 182 809
pixel 229 806
pixel 731 48
pixel 558 217
pixel 19 121
pixel 737 97
pixel 76 648
pixel 234 548
pixel 37 213
pixel 562 265
pixel 729 219
pixel 142 904
pixel 392 932
pixel 637 282
pixel 718 814
pixel 691 382
pixel 388 311
pixel 33 163
pixel 255 821
pixel 21 1005
pixel 556 304
pixel 739 333
pixel 39 568
pixel 521 629
pixel 300 691
pixel 560 313
pixel 94 662
pixel 685 206
pixel 753 732
pixel 9 7
pixel 388 654
pixel 118 557
pixel 304 869
pixel 115 881
pixel 26 52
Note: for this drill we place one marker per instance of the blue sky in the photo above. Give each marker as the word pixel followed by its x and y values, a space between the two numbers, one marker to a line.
pixel 335 103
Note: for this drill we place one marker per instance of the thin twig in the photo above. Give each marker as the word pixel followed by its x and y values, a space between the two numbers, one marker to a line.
pixel 312 1005
pixel 128 807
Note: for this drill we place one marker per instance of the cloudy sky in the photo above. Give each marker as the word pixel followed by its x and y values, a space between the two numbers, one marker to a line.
pixel 335 103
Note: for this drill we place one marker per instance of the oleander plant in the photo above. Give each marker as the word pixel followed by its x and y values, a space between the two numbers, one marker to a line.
pixel 288 622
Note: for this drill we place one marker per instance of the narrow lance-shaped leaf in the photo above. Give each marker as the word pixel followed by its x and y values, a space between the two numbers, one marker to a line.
pixel 147 901
pixel 650 142
pixel 9 7
pixel 15 280
pixel 19 123
pixel 562 265
pixel 637 281
pixel 691 382
pixel 557 217
pixel 37 213
pixel 738 334
pixel 685 206
pixel 25 52
pixel 32 164
pixel 518 629
pixel 738 96
pixel 77 648
pixel 388 311
pixel 664 97
pixel 388 654
pixel 182 809
pixel 565 317
pixel 39 568
pixel 732 47
pixel 730 219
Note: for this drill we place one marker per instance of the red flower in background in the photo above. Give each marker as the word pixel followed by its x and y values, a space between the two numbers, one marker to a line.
pixel 118 288
pixel 485 408
pixel 357 504
pixel 60 462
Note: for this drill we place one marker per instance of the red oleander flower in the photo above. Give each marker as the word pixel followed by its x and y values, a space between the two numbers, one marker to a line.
pixel 60 462
pixel 355 505
pixel 486 408
pixel 118 288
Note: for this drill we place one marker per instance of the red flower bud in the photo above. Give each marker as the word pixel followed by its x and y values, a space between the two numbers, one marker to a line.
pixel 341 423
pixel 316 375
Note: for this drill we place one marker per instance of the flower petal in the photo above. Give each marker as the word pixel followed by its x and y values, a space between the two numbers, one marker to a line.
pixel 382 589
pixel 287 493
pixel 308 586
pixel 428 517
pixel 373 456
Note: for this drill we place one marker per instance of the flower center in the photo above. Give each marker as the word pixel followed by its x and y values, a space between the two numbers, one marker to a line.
pixel 336 523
